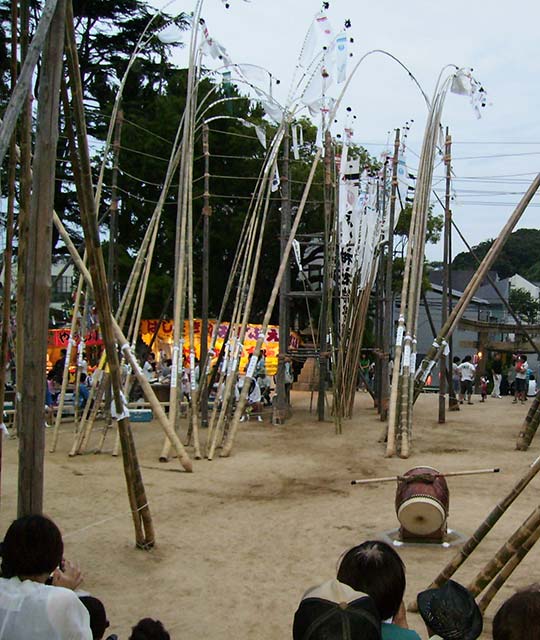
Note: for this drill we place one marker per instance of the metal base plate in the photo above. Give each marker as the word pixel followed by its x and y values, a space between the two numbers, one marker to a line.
pixel 451 539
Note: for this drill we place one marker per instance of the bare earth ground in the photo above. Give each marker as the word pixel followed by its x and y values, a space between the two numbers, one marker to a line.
pixel 240 539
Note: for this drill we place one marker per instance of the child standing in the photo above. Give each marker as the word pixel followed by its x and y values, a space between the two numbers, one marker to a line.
pixel 483 388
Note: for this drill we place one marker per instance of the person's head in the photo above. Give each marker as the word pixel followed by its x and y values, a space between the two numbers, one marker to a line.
pixel 519 617
pixel 456 360
pixel 98 617
pixel 334 611
pixel 376 569
pixel 467 359
pixel 32 547
pixel 148 629
pixel 450 612
pixel 497 356
pixel 63 353
pixel 83 378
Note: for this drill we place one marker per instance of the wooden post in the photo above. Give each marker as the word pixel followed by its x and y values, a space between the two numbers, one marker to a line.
pixel 323 323
pixel 282 408
pixel 446 268
pixel 207 213
pixel 112 267
pixel 37 268
pixel 142 521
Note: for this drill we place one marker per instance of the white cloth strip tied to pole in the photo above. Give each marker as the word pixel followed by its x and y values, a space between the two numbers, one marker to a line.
pixel 125 408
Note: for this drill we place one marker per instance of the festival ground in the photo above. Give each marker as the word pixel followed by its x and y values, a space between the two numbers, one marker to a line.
pixel 240 539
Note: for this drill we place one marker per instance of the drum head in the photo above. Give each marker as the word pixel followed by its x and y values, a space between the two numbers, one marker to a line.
pixel 421 515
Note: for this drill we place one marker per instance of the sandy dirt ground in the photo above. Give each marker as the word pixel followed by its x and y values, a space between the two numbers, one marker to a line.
pixel 240 539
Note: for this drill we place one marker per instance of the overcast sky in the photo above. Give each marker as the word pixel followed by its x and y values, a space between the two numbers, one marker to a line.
pixel 494 158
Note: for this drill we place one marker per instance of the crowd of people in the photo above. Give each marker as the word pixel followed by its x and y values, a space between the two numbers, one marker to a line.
pixel 365 601
pixel 40 596
pixel 516 379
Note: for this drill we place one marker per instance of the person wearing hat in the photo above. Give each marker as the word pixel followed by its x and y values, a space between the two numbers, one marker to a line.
pixel 375 568
pixel 335 611
pixel 450 612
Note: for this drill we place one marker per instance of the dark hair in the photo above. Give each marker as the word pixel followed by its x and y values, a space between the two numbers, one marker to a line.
pixel 519 617
pixel 456 359
pixel 467 359
pixel 83 378
pixel 148 629
pixel 98 617
pixel 32 546
pixel 376 569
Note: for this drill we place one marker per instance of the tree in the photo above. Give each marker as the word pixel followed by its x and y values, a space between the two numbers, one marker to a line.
pixel 524 304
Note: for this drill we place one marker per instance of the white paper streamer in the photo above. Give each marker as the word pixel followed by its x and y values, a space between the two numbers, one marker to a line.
pixel 251 367
pixel 124 413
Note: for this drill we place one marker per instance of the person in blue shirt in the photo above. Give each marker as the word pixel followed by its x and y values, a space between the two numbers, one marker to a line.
pixel 376 569
pixel 84 392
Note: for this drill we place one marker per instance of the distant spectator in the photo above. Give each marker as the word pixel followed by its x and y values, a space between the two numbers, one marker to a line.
pixel 84 392
pixel 521 366
pixel 148 629
pixel 32 550
pixel 450 612
pixel 335 611
pixel 467 371
pixel 519 617
pixel 373 567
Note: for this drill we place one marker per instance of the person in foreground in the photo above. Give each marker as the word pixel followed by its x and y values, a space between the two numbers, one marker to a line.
pixel 148 629
pixel 519 617
pixel 335 611
pixel 32 550
pixel 450 612
pixel 376 569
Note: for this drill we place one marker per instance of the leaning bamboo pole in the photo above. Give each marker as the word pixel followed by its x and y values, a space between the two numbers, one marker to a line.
pixel 227 447
pixel 433 354
pixel 485 527
pixel 142 520
pixel 130 357
pixel 505 553
pixel 508 569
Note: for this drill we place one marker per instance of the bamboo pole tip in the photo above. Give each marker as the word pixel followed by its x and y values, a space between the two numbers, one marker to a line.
pixel 187 464
pixel 521 445
pixel 404 455
pixel 163 459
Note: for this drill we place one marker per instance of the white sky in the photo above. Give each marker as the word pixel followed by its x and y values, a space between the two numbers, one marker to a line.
pixel 498 40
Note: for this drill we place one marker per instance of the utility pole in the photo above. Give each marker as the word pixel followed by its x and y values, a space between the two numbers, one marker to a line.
pixel 388 330
pixel 282 410
pixel 323 324
pixel 445 291
pixel 37 267
pixel 112 271
pixel 206 212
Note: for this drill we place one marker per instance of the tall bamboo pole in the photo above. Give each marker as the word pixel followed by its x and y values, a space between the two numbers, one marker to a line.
pixel 227 447
pixel 207 213
pixel 323 322
pixel 112 267
pixel 388 328
pixel 144 531
pixel 37 270
pixel 446 268
pixel 282 407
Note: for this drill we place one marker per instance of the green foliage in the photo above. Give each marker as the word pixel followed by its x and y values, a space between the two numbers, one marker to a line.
pixel 524 304
pixel 520 254
pixel 435 224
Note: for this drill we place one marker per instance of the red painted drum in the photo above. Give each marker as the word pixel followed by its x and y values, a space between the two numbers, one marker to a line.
pixel 422 500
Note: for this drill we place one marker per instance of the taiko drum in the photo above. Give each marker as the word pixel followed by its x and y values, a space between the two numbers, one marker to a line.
pixel 422 500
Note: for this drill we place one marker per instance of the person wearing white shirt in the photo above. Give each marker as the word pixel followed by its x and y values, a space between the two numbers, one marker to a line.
pixel 32 550
pixel 467 371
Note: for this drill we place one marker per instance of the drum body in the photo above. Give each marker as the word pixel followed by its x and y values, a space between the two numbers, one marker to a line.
pixel 422 501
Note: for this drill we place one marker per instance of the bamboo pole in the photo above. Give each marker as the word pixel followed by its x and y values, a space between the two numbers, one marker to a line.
pixel 505 553
pixel 130 358
pixel 486 264
pixel 508 569
pixel 207 214
pixel 37 270
pixel 19 95
pixel 227 447
pixel 485 527
pixel 142 521
pixel 450 474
